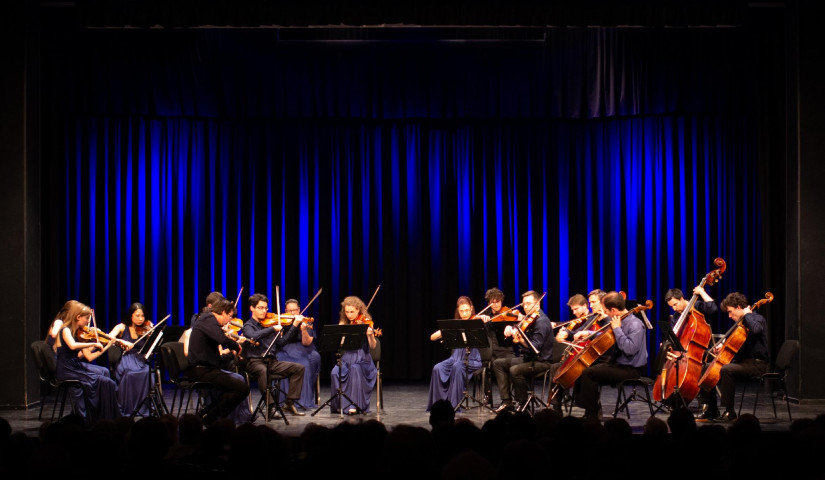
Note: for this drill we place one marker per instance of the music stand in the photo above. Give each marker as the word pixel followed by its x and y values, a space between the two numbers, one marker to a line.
pixel 466 334
pixel 154 397
pixel 670 341
pixel 498 329
pixel 338 339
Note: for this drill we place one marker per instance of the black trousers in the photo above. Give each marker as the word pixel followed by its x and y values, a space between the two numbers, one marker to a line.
pixel 516 372
pixel 258 367
pixel 233 389
pixel 587 386
pixel 728 376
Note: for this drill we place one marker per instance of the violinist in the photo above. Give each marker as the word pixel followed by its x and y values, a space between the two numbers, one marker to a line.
pixel 262 362
pixel 494 298
pixel 204 361
pixel 516 370
pixel 132 371
pixel 358 372
pixel 210 299
pixel 750 361
pixel 450 376
pixel 57 323
pixel 627 361
pixel 302 349
pixel 100 390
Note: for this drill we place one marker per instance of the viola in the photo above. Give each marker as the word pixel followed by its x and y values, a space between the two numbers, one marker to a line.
pixel 694 336
pixel 729 345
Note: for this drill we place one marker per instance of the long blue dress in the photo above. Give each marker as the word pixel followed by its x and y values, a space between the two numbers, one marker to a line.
pixel 358 375
pixel 99 388
pixel 309 357
pixel 450 376
pixel 133 377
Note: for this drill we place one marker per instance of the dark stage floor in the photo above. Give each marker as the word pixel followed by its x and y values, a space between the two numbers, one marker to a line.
pixel 405 403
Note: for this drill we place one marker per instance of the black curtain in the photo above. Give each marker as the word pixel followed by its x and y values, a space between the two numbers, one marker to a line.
pixel 196 160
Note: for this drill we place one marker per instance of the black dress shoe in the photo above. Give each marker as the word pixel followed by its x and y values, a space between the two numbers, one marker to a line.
pixel 728 416
pixel 708 415
pixel 290 407
pixel 506 406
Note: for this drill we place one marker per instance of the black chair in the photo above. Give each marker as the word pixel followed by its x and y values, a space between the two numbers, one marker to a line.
pixel 638 385
pixel 375 353
pixel 46 369
pixel 567 400
pixel 534 401
pixel 773 382
pixel 273 393
pixel 481 378
pixel 174 362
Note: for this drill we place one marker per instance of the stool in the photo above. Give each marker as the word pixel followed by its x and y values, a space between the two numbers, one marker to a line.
pixel 623 400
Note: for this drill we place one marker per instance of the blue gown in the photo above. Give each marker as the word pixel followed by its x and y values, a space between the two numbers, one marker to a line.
pixel 358 375
pixel 133 378
pixel 450 376
pixel 100 389
pixel 309 357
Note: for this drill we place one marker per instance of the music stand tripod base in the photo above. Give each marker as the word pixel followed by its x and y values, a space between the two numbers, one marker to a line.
pixel 341 338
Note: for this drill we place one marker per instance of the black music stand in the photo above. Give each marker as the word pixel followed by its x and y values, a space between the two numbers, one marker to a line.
pixel 670 341
pixel 498 329
pixel 466 334
pixel 154 398
pixel 338 339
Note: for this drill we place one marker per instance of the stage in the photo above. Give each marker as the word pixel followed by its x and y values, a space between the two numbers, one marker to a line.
pixel 405 403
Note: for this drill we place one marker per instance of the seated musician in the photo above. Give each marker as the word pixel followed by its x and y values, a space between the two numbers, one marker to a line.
pixel 583 320
pixel 262 363
pixel 495 299
pixel 516 370
pixel 301 349
pixel 449 377
pixel 676 300
pixel 205 362
pixel 750 361
pixel 626 361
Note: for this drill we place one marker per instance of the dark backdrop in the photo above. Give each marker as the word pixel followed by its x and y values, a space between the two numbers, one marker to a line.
pixel 186 161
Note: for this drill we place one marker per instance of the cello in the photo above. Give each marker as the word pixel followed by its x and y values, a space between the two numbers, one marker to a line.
pixel 729 345
pixel 682 374
pixel 596 345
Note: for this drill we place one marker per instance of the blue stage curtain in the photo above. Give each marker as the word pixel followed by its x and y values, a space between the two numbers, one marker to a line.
pixel 188 162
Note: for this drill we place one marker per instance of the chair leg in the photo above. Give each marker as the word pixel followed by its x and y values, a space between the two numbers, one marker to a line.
pixel 742 398
pixel 649 401
pixel 756 401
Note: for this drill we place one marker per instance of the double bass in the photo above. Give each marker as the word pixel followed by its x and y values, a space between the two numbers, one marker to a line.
pixel 681 376
pixel 597 344
pixel 729 346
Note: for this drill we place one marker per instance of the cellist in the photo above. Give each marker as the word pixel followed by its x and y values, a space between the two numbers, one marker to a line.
pixel 627 360
pixel 676 300
pixel 750 361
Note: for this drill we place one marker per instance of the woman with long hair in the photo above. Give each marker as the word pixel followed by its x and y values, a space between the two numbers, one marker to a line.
pixel 132 371
pixel 73 357
pixel 358 372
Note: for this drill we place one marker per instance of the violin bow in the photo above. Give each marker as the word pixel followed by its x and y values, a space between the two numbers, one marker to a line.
pixel 278 319
pixel 238 299
pixel 310 302
pixel 482 311
pixel 373 296
pixel 94 325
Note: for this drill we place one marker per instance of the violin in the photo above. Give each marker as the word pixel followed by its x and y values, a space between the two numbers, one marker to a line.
pixel 143 329
pixel 505 314
pixel 363 319
pixel 233 329
pixel 94 334
pixel 284 320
